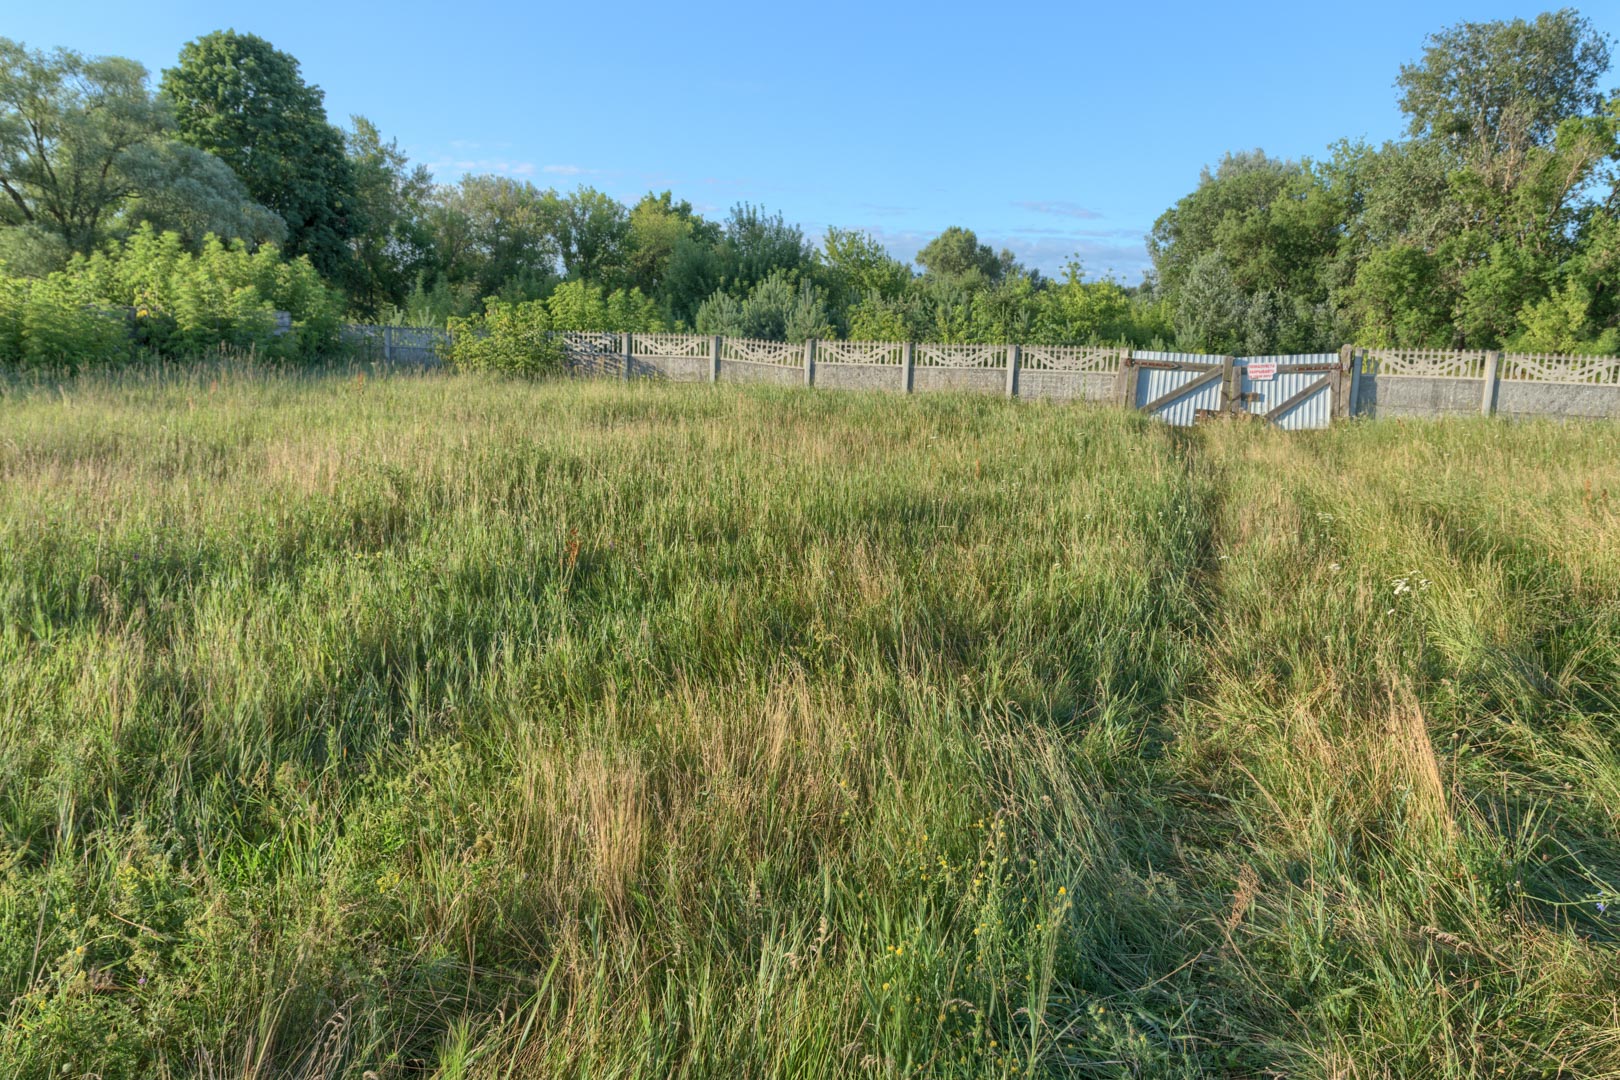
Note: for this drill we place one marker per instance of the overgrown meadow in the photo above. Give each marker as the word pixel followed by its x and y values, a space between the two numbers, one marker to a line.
pixel 359 725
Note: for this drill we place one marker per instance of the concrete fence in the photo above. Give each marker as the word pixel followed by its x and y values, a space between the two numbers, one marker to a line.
pixel 1296 391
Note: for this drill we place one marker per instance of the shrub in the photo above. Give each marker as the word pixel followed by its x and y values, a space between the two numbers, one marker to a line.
pixel 516 339
pixel 55 322
pixel 222 296
pixel 576 305
pixel 152 293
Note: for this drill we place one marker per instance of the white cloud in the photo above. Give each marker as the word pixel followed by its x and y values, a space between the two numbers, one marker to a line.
pixel 565 170
pixel 451 168
pixel 1058 207
pixel 1119 252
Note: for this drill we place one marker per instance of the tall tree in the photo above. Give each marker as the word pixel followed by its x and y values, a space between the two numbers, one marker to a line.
pixel 854 266
pixel 494 235
pixel 238 97
pixel 957 253
pixel 1490 91
pixel 67 124
pixel 757 245
pixel 592 234
pixel 390 240
pixel 657 224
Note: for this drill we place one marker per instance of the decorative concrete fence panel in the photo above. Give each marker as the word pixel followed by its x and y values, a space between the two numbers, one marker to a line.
pixel 676 357
pixel 860 365
pixel 1296 391
pixel 1069 372
pixel 590 352
pixel 975 368
pixel 777 363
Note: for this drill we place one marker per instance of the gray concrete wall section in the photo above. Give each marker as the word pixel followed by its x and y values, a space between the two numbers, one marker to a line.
pixel 1066 385
pixel 980 380
pixel 672 368
pixel 747 371
pixel 603 364
pixel 1390 396
pixel 1564 400
pixel 860 376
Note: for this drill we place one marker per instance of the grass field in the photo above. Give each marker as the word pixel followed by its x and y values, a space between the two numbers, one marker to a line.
pixel 466 728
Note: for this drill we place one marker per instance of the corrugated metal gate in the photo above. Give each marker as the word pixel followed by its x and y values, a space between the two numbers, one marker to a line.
pixel 1178 388
pixel 1295 392
pixel 1301 393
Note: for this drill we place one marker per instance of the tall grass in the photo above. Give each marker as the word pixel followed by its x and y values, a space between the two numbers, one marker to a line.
pixel 472 728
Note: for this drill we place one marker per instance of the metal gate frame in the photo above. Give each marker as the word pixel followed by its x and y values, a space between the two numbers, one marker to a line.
pixel 1160 384
pixel 1180 388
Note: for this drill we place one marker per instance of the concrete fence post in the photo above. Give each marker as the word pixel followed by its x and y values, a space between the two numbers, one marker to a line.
pixel 1231 386
pixel 1014 355
pixel 627 354
pixel 714 359
pixel 388 344
pixel 1493 380
pixel 810 362
pixel 908 367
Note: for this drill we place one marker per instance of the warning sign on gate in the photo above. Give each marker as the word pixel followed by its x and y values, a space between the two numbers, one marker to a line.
pixel 1262 372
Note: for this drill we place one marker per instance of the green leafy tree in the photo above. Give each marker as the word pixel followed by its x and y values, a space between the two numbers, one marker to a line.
pixel 507 338
pixel 1399 300
pixel 878 318
pixel 696 268
pixel 180 189
pixel 776 309
pixel 1483 209
pixel 1247 257
pixel 1489 91
pixel 492 235
pixel 391 243
pixel 580 305
pixel 757 245
pixel 1083 311
pixel 592 235
pixel 854 265
pixel 67 126
pixel 658 224
pixel 241 99
pixel 957 253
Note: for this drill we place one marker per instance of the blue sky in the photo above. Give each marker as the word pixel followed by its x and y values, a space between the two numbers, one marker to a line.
pixel 1052 129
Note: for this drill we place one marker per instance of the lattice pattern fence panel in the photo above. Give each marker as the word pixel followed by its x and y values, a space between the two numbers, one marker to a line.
pixel 860 352
pixel 961 356
pixel 1543 367
pixel 1432 363
pixel 592 350
pixel 670 345
pixel 755 351
pixel 1071 358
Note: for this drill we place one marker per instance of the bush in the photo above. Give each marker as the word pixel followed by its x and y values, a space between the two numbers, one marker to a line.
pixel 55 322
pixel 576 305
pixel 515 339
pixel 222 296
pixel 152 293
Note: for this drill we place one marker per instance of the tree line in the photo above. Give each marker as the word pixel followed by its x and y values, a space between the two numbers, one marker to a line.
pixel 1491 223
